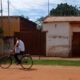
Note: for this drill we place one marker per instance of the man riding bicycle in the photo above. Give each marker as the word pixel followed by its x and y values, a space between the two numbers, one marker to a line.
pixel 19 49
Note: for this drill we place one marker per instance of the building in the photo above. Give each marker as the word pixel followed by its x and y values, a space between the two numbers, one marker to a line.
pixel 62 36
pixel 13 24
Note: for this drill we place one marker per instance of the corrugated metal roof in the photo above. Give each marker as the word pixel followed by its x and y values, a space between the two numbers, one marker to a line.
pixel 61 19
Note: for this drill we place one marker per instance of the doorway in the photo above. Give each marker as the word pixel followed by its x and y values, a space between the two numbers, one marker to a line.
pixel 76 44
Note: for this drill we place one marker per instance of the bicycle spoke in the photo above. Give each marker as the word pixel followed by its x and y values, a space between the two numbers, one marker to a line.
pixel 5 62
pixel 26 62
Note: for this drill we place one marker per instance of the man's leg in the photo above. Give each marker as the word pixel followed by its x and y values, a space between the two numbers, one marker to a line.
pixel 16 58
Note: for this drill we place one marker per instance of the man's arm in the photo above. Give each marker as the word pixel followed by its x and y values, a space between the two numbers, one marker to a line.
pixel 17 44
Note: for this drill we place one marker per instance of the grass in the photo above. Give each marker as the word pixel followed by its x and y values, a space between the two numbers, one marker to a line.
pixel 57 62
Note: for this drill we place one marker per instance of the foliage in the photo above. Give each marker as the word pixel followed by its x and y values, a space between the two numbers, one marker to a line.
pixel 39 23
pixel 65 10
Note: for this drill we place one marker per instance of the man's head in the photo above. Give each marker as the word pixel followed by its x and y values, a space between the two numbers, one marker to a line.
pixel 17 38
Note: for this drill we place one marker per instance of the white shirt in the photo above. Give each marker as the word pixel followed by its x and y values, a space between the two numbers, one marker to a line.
pixel 21 46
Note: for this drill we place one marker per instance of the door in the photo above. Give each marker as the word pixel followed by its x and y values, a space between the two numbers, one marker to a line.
pixel 76 44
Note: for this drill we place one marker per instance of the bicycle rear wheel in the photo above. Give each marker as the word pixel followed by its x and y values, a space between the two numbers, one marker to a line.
pixel 5 62
pixel 26 62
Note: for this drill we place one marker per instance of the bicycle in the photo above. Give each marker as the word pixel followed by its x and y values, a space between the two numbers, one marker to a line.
pixel 26 61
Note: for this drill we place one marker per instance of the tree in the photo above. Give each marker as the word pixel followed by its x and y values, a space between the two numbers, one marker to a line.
pixel 65 10
pixel 39 23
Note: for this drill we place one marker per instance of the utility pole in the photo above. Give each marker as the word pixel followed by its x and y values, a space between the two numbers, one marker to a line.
pixel 8 7
pixel 8 16
pixel 1 11
pixel 1 27
pixel 48 7
pixel 1 8
pixel 9 24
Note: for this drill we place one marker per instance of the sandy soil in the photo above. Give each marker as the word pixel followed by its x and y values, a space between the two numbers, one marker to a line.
pixel 39 72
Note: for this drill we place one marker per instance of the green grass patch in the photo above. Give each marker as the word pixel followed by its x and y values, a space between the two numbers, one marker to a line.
pixel 57 62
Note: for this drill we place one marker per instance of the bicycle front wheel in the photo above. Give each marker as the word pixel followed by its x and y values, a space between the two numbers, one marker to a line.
pixel 26 62
pixel 5 62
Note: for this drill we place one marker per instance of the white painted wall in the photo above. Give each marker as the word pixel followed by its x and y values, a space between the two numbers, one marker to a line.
pixel 57 38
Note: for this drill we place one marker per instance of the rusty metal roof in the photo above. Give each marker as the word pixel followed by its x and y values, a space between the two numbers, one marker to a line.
pixel 62 19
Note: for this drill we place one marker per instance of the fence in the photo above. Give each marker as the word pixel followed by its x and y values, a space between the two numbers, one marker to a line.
pixel 35 42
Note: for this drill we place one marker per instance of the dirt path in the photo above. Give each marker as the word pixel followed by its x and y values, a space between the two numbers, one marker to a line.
pixel 39 72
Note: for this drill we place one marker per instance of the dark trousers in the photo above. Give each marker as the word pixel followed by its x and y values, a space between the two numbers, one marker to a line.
pixel 16 56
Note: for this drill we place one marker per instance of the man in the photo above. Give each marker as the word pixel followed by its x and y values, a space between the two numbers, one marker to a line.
pixel 19 49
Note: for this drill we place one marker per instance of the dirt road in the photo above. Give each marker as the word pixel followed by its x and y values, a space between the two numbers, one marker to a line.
pixel 41 72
